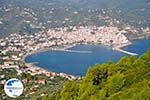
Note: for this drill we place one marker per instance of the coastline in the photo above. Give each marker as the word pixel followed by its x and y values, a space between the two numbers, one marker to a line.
pixel 33 66
pixel 46 49
pixel 65 47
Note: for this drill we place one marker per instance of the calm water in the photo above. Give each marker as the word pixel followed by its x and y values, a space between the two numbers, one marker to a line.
pixel 139 46
pixel 78 63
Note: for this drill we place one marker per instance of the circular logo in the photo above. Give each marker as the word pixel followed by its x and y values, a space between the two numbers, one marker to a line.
pixel 13 88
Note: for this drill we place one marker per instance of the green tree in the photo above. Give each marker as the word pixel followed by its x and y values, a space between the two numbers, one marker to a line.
pixel 115 83
pixel 69 91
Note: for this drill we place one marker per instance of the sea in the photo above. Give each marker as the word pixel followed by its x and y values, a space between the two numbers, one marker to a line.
pixel 78 63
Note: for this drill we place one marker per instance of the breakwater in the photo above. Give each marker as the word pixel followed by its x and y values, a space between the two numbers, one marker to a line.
pixel 126 52
pixel 72 51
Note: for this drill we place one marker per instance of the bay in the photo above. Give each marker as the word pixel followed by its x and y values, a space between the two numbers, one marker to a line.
pixel 76 63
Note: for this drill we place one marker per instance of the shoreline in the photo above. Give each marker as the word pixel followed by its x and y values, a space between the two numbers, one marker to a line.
pixel 33 66
pixel 64 48
pixel 45 49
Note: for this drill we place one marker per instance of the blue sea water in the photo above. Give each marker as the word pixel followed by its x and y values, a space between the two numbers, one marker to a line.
pixel 139 46
pixel 78 63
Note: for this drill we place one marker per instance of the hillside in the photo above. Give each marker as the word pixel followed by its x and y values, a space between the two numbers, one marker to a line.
pixel 30 16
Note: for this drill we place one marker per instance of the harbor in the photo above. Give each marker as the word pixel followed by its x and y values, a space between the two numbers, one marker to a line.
pixel 71 51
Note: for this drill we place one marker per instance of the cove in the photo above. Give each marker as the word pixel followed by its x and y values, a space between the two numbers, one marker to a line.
pixel 76 63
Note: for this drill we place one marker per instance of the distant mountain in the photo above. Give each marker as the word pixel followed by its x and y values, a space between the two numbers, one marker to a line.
pixel 29 16
pixel 136 11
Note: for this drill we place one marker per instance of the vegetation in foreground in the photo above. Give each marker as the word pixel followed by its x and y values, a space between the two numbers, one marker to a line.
pixel 128 79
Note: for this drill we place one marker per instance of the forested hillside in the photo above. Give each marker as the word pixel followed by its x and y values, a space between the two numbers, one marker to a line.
pixel 128 79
